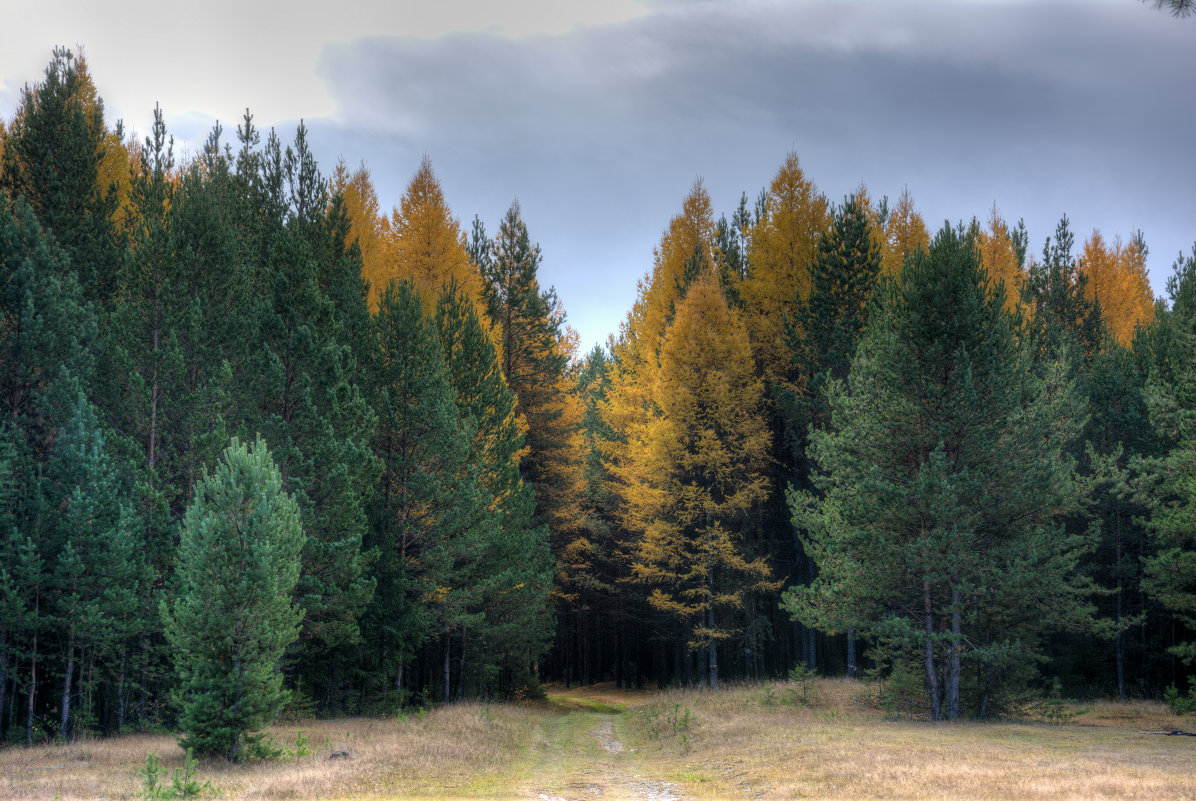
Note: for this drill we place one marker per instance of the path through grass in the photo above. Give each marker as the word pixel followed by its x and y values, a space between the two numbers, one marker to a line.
pixel 599 744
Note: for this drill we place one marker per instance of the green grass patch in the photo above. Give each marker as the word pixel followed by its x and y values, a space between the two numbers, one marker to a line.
pixel 569 703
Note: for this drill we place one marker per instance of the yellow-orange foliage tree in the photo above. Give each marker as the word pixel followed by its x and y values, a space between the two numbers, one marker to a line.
pixel 686 246
pixel 904 232
pixel 427 245
pixel 1117 279
pixel 367 227
pixel 1000 260
pixel 780 249
pixel 703 469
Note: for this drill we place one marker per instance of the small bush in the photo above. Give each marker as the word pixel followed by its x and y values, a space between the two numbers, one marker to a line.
pixel 1177 702
pixel 183 783
pixel 903 693
pixel 1053 708
pixel 526 688
pixel 806 691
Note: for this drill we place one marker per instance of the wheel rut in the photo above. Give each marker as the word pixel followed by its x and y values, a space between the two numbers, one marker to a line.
pixel 581 758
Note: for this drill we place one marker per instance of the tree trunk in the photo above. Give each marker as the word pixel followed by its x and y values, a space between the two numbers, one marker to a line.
pixel 461 669
pixel 238 691
pixel 811 635
pixel 120 691
pixel 713 650
pixel 988 682
pixel 32 692
pixel 932 679
pixel 152 448
pixel 1119 642
pixel 143 692
pixel 953 667
pixel 66 686
pixel 851 653
pixel 3 674
pixel 447 672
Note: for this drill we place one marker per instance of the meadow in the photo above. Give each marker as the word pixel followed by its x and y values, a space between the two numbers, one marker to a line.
pixel 758 741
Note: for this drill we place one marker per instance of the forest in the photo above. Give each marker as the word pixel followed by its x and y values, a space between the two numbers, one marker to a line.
pixel 266 446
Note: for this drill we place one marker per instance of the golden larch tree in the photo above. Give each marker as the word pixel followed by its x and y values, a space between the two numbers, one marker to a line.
pixel 998 257
pixel 780 249
pixel 424 244
pixel 367 226
pixel 686 248
pixel 705 467
pixel 904 232
pixel 1117 279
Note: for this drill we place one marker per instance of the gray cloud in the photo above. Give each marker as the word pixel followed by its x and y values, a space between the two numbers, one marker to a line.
pixel 1044 108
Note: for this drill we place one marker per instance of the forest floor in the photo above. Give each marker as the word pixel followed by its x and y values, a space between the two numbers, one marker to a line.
pixel 758 741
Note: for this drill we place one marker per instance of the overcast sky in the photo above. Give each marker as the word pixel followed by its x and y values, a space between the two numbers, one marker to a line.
pixel 599 116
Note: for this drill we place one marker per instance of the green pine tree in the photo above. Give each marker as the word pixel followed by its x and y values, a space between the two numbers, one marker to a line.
pixel 430 516
pixel 232 615
pixel 940 484
pixel 517 562
pixel 96 548
pixel 1167 484
pixel 51 157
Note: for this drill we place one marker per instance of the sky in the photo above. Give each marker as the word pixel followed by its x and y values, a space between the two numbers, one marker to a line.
pixel 599 116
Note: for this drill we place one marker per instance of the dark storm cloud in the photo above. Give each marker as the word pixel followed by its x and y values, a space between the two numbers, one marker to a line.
pixel 1042 108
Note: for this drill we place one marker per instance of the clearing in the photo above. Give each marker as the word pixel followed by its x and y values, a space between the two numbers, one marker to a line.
pixel 591 744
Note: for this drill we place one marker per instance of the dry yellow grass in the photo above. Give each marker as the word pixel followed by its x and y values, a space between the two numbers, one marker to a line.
pixel 743 742
pixel 460 751
pixel 747 742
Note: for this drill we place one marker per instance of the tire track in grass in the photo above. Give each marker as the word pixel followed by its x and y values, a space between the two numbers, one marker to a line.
pixel 578 757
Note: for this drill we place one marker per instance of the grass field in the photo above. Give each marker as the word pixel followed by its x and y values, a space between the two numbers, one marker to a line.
pixel 599 743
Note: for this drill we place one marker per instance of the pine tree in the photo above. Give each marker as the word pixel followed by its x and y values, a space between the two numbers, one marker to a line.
pixel 305 396
pixel 430 521
pixel 1056 291
pixel 536 348
pixel 827 323
pixel 48 332
pixel 232 615
pixel 96 550
pixel 52 153
pixel 942 480
pixel 517 560
pixel 1168 484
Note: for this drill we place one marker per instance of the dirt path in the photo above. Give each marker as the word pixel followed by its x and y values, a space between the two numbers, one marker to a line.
pixel 579 757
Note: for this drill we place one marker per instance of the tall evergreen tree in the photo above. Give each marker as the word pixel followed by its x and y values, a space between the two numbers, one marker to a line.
pixel 430 520
pixel 232 615
pixel 1056 290
pixel 96 550
pixel 310 329
pixel 826 325
pixel 52 153
pixel 517 561
pixel 941 483
pixel 1168 483
pixel 821 335
pixel 536 347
